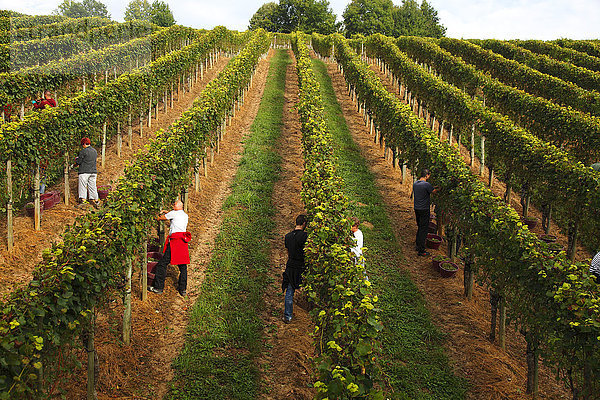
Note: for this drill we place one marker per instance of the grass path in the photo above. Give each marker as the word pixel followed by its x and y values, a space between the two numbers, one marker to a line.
pixel 225 330
pixel 413 361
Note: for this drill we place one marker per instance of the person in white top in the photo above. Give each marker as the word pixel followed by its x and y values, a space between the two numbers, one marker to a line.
pixel 175 250
pixel 357 249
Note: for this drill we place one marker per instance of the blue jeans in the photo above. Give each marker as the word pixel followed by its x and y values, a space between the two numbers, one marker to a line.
pixel 289 302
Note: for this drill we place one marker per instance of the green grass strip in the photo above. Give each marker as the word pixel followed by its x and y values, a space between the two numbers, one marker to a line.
pixel 224 333
pixel 413 361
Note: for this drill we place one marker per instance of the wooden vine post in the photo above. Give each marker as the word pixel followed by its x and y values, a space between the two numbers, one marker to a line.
pixel 572 240
pixel 532 364
pixel 127 303
pixel 144 271
pixel 494 300
pixel 92 358
pixel 469 277
pixel 66 177
pixel 150 110
pixel 482 159
pixel 471 161
pixel 37 217
pixel 129 131
pixel 103 144
pixel 502 323
pixel 119 139
pixel 9 210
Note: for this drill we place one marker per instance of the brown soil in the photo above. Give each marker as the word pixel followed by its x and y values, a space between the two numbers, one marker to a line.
pixel 29 244
pixel 144 369
pixel 286 368
pixel 492 372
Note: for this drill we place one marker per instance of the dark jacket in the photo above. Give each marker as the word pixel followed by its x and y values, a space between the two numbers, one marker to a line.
pixel 86 159
pixel 294 243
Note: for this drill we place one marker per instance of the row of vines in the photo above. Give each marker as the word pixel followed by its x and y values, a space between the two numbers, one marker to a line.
pixel 553 301
pixel 77 273
pixel 345 313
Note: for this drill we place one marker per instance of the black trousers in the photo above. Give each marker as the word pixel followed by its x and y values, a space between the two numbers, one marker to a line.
pixel 161 272
pixel 422 228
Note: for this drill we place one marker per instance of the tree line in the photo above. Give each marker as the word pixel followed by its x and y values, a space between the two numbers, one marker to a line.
pixel 363 17
pixel 157 12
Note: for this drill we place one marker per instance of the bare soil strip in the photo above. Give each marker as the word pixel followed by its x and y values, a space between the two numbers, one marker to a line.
pixel 29 244
pixel 144 369
pixel 286 368
pixel 492 372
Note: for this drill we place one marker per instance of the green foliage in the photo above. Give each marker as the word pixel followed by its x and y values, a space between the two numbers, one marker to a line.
pixel 218 360
pixel 573 56
pixel 160 14
pixel 523 77
pixel 576 131
pixel 367 17
pixel 295 15
pixel 64 27
pixel 23 54
pixel 345 314
pixel 85 8
pixel 546 295
pixel 264 18
pixel 584 78
pixel 138 9
pixel 157 12
pixel 589 47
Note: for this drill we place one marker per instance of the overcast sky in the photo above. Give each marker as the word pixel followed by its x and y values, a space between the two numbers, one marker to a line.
pixel 501 19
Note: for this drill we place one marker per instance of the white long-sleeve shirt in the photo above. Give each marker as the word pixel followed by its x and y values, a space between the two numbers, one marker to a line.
pixel 595 266
pixel 358 237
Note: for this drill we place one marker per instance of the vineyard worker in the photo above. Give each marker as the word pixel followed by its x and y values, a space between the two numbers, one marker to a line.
pixel 47 101
pixel 422 191
pixel 294 267
pixel 86 161
pixel 595 267
pixel 176 249
pixel 359 241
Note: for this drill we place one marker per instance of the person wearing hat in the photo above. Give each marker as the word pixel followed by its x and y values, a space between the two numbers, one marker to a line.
pixel 86 162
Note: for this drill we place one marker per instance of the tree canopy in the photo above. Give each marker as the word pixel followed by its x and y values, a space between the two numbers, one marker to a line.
pixel 369 16
pixel 81 9
pixel 157 12
pixel 264 18
pixel 382 16
pixel 290 15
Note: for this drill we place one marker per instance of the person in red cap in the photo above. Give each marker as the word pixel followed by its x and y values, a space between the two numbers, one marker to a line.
pixel 47 101
pixel 86 161
pixel 176 249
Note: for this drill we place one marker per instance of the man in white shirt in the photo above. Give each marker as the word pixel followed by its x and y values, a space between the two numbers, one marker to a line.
pixel 175 250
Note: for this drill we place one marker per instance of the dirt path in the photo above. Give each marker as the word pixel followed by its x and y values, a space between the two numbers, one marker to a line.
pixel 144 370
pixel 29 244
pixel 287 369
pixel 492 372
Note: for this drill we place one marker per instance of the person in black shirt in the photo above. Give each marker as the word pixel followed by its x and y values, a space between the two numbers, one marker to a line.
pixel 294 267
pixel 422 191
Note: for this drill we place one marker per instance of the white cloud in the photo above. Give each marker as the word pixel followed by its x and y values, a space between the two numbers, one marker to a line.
pixel 502 19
